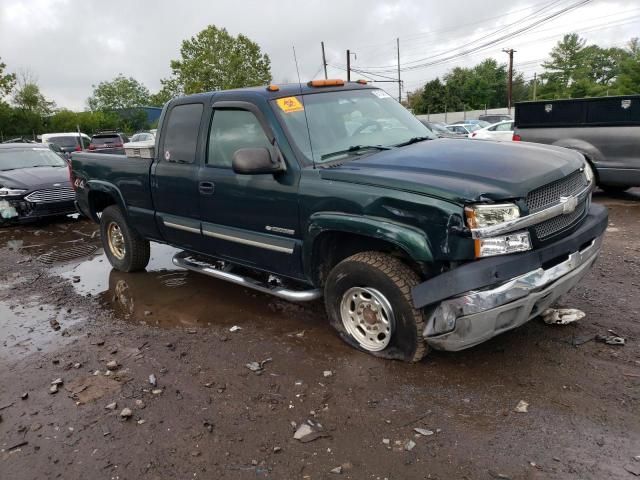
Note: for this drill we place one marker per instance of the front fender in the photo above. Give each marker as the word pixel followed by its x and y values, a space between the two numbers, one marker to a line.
pixel 410 239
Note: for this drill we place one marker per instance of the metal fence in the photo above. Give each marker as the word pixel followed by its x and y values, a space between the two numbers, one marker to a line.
pixel 450 117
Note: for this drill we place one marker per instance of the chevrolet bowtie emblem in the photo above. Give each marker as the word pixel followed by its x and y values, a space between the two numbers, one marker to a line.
pixel 569 204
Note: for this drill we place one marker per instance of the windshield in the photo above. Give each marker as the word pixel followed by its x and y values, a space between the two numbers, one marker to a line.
pixel 65 141
pixel 340 121
pixel 14 158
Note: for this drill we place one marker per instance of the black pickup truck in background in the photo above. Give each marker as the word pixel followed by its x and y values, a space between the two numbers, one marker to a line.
pixel 606 130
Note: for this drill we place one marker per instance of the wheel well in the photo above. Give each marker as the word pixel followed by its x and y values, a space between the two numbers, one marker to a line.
pixel 98 201
pixel 330 248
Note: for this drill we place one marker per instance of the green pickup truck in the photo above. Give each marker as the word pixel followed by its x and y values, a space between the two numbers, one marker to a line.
pixel 334 190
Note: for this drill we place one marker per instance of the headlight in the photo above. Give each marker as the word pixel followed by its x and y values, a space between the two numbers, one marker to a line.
pixel 10 192
pixel 511 243
pixel 588 172
pixel 479 216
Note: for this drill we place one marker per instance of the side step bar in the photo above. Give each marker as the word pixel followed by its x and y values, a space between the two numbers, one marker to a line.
pixel 222 271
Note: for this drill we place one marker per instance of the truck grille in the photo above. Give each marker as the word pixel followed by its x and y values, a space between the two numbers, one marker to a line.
pixel 62 194
pixel 556 224
pixel 549 195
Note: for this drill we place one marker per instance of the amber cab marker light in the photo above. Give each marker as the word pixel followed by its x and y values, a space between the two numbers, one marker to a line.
pixel 326 83
pixel 273 88
pixel 470 213
pixel 361 82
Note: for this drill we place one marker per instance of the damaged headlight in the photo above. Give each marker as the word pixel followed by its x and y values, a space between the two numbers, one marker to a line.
pixel 479 216
pixel 11 192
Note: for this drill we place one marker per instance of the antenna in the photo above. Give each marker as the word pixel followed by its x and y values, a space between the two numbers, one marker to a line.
pixel 295 59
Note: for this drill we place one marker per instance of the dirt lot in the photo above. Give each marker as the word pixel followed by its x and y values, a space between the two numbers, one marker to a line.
pixel 65 315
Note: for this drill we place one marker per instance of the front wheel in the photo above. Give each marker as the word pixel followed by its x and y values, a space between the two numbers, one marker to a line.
pixel 368 301
pixel 126 250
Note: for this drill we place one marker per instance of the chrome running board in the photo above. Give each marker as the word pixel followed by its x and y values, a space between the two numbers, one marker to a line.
pixel 222 270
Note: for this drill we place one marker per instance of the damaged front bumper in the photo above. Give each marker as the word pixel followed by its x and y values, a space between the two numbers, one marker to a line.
pixel 20 210
pixel 479 300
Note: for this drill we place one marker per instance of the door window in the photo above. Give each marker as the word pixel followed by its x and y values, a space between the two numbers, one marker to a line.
pixel 181 137
pixel 504 127
pixel 230 131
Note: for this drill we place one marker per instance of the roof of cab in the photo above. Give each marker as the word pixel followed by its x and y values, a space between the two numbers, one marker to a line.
pixel 284 90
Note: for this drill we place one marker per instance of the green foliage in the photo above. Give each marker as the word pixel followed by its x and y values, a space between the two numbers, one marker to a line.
pixel 628 80
pixel 216 60
pixel 475 88
pixel 117 94
pixel 7 81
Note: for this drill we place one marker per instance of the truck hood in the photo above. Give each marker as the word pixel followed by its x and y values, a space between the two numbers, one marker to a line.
pixel 461 171
pixel 29 178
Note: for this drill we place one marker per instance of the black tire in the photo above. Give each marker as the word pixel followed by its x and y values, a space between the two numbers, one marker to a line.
pixel 137 250
pixel 614 189
pixel 394 280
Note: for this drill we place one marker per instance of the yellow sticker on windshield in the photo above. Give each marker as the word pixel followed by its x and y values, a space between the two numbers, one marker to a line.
pixel 290 104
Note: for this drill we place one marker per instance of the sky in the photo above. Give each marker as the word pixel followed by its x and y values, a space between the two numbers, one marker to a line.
pixel 70 45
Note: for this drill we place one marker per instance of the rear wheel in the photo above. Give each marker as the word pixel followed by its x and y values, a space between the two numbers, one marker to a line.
pixel 368 301
pixel 126 250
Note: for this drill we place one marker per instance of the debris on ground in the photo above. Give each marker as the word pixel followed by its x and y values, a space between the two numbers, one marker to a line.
pixel 521 407
pixel 54 324
pixel 126 413
pixel 562 316
pixel 611 339
pixel 57 381
pixel 112 365
pixel 257 366
pixel 24 396
pixel 337 470
pixel 327 373
pixel 235 328
pixel 633 468
pixel 91 388
pixel 309 431
pixel 53 389
pixel 409 445
pixel 423 431
pixel 153 381
pixel 111 406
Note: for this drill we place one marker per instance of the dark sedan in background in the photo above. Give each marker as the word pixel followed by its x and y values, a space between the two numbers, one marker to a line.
pixel 34 183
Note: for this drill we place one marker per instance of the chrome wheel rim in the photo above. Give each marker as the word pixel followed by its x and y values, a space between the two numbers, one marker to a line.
pixel 116 240
pixel 368 317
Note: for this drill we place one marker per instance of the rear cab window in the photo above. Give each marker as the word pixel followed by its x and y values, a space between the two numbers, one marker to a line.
pixel 181 133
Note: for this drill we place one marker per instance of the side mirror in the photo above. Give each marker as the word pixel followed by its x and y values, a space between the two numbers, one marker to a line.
pixel 254 161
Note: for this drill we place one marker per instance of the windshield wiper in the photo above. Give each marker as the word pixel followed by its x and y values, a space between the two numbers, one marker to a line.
pixel 354 149
pixel 413 140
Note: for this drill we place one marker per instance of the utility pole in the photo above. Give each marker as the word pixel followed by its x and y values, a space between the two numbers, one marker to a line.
pixel 399 81
pixel 535 84
pixel 324 61
pixel 510 78
pixel 348 65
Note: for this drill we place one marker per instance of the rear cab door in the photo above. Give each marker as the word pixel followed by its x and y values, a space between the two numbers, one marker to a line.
pixel 174 176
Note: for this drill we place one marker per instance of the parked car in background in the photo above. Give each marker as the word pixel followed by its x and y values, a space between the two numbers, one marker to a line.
pixel 109 141
pixel 34 183
pixel 68 142
pixel 494 117
pixel 463 129
pixel 414 241
pixel 480 123
pixel 502 131
pixel 606 130
pixel 439 129
pixel 142 137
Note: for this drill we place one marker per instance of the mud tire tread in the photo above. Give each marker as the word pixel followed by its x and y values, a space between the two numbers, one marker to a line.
pixel 138 249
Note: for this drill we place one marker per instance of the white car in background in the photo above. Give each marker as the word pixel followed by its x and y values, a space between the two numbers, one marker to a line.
pixel 501 131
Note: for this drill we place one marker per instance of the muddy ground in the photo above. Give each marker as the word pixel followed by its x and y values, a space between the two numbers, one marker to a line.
pixel 64 314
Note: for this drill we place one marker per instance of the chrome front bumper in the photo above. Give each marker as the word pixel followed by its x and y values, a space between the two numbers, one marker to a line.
pixel 476 316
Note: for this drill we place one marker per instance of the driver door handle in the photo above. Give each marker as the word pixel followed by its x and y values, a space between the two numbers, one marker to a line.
pixel 206 188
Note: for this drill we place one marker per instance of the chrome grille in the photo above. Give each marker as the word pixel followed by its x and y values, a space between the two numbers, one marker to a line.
pixel 50 195
pixel 554 225
pixel 549 195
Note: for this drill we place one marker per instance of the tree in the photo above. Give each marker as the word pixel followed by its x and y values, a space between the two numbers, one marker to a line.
pixel 117 94
pixel 216 60
pixel 7 81
pixel 27 96
pixel 628 81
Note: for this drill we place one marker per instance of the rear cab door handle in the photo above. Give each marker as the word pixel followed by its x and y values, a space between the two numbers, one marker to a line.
pixel 206 188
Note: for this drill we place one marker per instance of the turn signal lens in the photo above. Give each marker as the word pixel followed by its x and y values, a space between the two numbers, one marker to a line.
pixel 273 88
pixel 514 242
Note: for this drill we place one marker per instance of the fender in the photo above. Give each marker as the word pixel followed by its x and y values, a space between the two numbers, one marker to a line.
pixel 410 239
pixel 110 189
pixel 592 153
